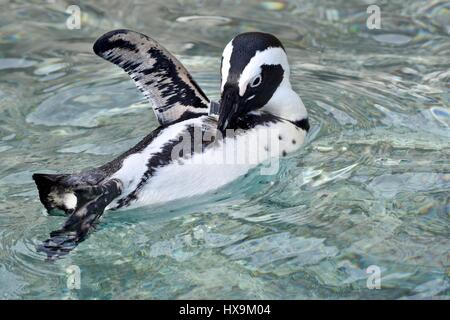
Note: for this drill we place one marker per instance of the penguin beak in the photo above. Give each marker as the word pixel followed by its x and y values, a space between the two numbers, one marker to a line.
pixel 229 107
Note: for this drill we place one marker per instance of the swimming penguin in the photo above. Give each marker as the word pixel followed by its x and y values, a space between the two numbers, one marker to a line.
pixel 259 116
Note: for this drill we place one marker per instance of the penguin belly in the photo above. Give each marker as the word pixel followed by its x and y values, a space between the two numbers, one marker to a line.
pixel 213 168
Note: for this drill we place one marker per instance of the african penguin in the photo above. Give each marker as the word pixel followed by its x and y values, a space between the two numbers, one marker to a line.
pixel 199 145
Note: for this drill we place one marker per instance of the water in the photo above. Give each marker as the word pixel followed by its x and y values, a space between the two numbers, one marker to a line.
pixel 371 186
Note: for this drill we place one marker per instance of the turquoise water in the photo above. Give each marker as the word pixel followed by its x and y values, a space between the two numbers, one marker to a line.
pixel 370 187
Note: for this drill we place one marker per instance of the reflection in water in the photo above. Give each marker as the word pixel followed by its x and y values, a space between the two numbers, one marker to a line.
pixel 369 188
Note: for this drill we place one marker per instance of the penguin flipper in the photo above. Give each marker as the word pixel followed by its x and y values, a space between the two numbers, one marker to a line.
pixel 174 95
pixel 82 220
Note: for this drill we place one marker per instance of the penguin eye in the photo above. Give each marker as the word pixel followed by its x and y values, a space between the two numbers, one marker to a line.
pixel 256 81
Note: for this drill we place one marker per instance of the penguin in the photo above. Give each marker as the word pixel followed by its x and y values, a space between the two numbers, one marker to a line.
pixel 259 117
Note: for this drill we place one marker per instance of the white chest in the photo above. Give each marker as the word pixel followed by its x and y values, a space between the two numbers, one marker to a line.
pixel 220 164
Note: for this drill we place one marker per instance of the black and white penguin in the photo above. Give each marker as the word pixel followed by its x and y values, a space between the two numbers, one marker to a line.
pixel 193 150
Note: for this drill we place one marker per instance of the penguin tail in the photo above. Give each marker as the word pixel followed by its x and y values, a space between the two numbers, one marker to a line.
pixel 84 204
pixel 54 193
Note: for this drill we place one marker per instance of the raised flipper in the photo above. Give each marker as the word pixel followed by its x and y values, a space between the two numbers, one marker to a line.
pixel 82 220
pixel 174 95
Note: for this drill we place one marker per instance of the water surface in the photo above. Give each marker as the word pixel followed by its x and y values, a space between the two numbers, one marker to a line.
pixel 370 187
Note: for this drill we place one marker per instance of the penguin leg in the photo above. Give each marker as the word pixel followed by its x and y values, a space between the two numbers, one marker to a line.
pixel 94 200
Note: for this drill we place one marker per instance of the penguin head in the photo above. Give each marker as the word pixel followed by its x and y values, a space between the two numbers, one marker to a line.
pixel 255 77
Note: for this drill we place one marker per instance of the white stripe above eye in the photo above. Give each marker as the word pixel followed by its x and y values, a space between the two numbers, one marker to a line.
pixel 226 57
pixel 269 56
